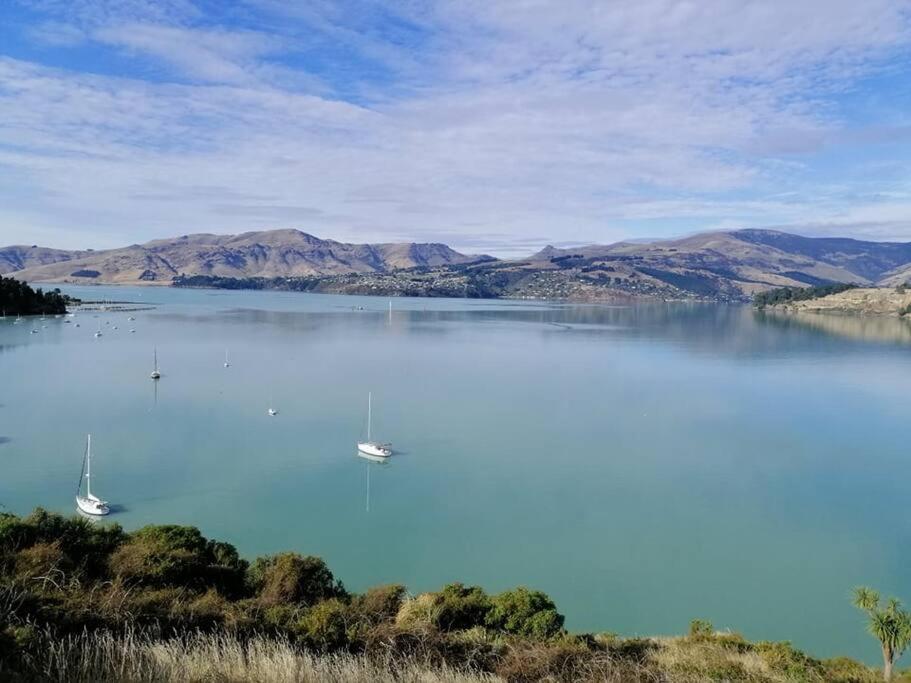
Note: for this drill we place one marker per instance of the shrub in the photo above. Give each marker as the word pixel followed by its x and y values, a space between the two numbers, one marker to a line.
pixel 325 625
pixel 167 555
pixel 378 605
pixel 460 607
pixel 701 629
pixel 847 670
pixel 293 578
pixel 526 613
pixel 85 546
pixel 784 658
pixel 43 561
pixel 417 612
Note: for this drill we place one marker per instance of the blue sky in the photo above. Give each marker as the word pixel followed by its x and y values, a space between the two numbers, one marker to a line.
pixel 492 126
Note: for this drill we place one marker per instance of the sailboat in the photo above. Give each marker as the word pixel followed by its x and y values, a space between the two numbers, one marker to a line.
pixel 368 447
pixel 98 333
pixel 90 503
pixel 227 364
pixel 156 373
pixel 272 411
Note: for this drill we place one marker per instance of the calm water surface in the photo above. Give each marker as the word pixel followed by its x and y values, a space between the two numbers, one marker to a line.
pixel 644 466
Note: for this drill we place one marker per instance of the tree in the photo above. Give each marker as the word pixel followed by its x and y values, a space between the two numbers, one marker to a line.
pixel 888 623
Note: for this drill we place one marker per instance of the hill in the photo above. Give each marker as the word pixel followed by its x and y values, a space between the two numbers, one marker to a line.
pixel 718 266
pixel 273 253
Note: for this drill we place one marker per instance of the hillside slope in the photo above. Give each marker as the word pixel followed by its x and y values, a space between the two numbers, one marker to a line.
pixel 719 266
pixel 274 253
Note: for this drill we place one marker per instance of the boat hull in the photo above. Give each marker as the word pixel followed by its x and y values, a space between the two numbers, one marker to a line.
pixel 92 507
pixel 377 450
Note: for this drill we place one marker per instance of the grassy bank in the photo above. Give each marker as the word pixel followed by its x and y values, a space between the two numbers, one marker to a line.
pixel 82 601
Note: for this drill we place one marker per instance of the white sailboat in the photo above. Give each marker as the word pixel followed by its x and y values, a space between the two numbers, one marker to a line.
pixel 156 373
pixel 369 447
pixel 90 503
pixel 227 364
pixel 272 411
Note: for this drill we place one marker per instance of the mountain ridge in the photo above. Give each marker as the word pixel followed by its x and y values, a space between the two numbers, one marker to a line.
pixel 719 266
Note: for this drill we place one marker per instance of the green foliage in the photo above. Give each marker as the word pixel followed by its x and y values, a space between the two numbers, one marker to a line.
pixel 700 628
pixel 378 605
pixel 887 622
pixel 325 625
pixel 459 607
pixel 84 547
pixel 17 298
pixel 172 555
pixel 786 295
pixel 526 613
pixel 293 578
pixel 65 576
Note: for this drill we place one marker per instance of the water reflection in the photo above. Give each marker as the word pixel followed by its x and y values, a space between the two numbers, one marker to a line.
pixel 370 462
pixel 872 328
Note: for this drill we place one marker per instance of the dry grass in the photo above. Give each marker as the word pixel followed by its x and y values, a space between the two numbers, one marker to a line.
pixel 222 658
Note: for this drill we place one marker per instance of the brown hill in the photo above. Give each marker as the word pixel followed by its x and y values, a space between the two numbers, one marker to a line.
pixel 274 253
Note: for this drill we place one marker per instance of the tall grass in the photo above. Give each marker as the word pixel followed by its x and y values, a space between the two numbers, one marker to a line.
pixel 203 657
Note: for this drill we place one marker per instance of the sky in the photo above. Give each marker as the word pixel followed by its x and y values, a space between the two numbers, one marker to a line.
pixel 496 127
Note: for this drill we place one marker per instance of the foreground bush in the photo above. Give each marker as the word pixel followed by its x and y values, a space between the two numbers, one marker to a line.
pixel 87 602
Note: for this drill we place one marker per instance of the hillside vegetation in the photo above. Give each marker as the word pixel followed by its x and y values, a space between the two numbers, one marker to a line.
pixel 849 299
pixel 17 298
pixel 89 602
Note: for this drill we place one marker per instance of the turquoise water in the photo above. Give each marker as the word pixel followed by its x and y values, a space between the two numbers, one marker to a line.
pixel 644 466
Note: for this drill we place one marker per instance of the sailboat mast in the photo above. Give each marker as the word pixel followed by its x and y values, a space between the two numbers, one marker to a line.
pixel 88 468
pixel 369 410
pixel 155 355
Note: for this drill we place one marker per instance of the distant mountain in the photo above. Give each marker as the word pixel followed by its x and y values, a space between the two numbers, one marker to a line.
pixel 269 254
pixel 719 266
pixel 739 263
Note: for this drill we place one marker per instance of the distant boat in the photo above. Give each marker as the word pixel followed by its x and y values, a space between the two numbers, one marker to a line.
pixel 34 331
pixel 18 319
pixel 369 447
pixel 132 331
pixel 272 411
pixel 98 333
pixel 90 503
pixel 227 364
pixel 156 373
pixel 131 318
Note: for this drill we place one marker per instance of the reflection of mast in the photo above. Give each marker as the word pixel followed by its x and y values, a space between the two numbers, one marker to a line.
pixel 368 487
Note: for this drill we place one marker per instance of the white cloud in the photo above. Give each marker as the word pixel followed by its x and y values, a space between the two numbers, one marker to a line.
pixel 507 123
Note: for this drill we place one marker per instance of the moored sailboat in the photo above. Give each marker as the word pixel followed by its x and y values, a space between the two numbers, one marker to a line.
pixel 89 503
pixel 370 447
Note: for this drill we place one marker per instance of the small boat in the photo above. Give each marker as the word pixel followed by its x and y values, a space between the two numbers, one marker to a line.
pixel 98 333
pixel 227 364
pixel 156 373
pixel 89 503
pixel 369 447
pixel 272 411
pixel 131 318
pixel 132 331
pixel 34 331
